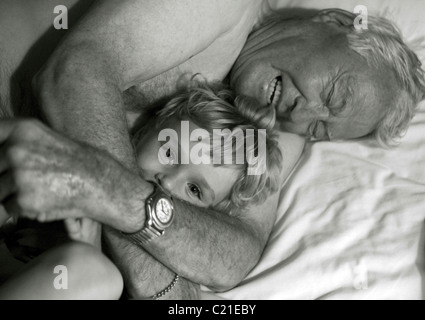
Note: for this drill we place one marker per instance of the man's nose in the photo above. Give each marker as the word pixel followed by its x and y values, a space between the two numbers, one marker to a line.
pixel 295 106
pixel 309 111
pixel 290 93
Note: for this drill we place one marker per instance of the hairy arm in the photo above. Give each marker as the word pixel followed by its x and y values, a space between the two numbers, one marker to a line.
pixel 226 249
pixel 118 44
pixel 148 275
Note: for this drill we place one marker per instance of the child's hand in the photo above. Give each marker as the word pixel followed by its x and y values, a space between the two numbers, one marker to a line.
pixel 84 230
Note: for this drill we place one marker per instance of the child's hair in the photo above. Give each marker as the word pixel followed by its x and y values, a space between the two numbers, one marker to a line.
pixel 214 107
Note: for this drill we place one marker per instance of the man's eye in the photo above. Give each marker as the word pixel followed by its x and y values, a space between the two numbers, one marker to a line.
pixel 311 131
pixel 330 96
pixel 194 190
pixel 320 132
pixel 317 131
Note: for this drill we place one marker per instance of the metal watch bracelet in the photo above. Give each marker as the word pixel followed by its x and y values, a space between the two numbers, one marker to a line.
pixel 168 289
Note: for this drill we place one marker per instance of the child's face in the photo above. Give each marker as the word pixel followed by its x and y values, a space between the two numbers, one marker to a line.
pixel 202 185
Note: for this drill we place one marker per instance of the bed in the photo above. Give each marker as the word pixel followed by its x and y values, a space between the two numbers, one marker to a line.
pixel 351 219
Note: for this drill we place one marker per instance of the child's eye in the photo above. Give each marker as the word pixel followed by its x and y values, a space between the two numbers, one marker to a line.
pixel 194 190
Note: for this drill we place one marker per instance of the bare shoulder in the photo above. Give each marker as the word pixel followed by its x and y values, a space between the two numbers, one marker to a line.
pixel 213 60
pixel 263 216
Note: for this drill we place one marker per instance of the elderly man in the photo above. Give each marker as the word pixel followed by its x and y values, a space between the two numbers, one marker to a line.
pixel 325 80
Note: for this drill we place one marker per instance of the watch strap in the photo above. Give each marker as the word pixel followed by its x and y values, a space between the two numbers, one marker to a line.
pixel 148 233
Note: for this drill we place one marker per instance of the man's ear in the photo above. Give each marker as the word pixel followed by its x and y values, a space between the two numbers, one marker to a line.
pixel 338 17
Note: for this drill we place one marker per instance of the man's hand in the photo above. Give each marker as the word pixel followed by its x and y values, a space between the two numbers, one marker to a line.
pixel 41 173
pixel 47 177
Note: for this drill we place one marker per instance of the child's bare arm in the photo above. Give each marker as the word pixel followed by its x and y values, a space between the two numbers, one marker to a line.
pixel 81 269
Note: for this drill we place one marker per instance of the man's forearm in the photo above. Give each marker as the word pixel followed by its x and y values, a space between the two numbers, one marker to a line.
pixel 208 247
pixel 144 275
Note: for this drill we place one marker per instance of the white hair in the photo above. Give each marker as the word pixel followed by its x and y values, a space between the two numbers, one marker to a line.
pixel 382 46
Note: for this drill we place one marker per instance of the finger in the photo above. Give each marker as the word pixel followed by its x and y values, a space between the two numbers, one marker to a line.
pixel 7 186
pixel 87 223
pixel 72 225
pixel 89 226
pixel 6 128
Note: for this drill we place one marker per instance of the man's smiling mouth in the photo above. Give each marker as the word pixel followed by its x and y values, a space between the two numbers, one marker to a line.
pixel 275 97
pixel 274 92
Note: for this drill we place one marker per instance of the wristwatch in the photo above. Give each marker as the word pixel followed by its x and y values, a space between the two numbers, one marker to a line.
pixel 159 216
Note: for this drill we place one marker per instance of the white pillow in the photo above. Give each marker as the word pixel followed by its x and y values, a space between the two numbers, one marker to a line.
pixel 408 15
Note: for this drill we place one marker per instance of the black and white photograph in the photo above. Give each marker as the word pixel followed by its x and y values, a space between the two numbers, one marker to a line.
pixel 224 151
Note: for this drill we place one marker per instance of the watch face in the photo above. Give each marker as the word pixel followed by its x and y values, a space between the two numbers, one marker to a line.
pixel 164 211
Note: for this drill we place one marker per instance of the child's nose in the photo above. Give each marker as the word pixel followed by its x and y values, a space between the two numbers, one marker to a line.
pixel 167 181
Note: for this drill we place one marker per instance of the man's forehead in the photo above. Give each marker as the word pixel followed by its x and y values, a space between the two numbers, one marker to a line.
pixel 368 99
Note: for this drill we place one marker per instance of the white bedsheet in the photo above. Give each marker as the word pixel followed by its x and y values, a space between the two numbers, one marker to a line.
pixel 351 219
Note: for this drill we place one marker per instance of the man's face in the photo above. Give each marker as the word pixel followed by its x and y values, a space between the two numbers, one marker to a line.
pixel 319 87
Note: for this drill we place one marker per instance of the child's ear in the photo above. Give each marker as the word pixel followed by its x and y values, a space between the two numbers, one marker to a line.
pixel 341 18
